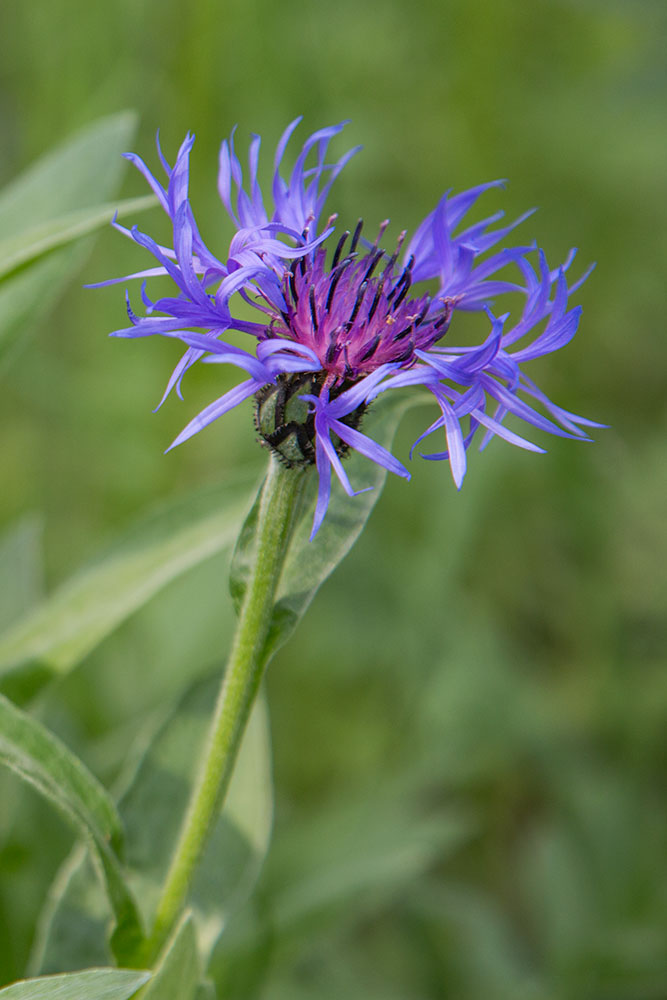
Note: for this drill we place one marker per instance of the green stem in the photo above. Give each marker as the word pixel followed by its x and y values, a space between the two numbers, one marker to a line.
pixel 240 684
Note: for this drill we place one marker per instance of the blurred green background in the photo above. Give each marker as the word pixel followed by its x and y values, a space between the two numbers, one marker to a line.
pixel 469 726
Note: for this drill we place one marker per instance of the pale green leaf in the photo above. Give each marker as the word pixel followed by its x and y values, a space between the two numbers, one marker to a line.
pixel 93 984
pixel 18 251
pixel 177 974
pixel 236 849
pixel 308 564
pixel 37 756
pixel 80 176
pixel 83 611
pixel 78 173
pixel 27 296
pixel 73 922
pixel 42 759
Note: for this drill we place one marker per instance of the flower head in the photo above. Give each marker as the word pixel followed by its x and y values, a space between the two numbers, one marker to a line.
pixel 340 319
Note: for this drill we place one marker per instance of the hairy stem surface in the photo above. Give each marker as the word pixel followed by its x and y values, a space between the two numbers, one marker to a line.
pixel 240 684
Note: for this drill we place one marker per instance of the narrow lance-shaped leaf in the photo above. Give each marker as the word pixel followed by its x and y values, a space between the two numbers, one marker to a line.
pixel 93 984
pixel 81 176
pixel 79 173
pixel 39 757
pixel 61 631
pixel 72 927
pixel 308 564
pixel 176 976
pixel 19 251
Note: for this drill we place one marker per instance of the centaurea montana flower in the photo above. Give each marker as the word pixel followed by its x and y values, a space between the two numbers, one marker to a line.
pixel 334 332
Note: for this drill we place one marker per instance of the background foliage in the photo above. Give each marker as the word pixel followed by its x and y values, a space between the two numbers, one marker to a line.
pixel 469 724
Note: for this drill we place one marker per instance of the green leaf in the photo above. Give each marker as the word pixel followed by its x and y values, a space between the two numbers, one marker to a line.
pixel 308 564
pixel 59 633
pixel 27 297
pixel 153 808
pixel 73 923
pixel 38 757
pixel 177 974
pixel 94 984
pixel 68 178
pixel 18 251
pixel 50 203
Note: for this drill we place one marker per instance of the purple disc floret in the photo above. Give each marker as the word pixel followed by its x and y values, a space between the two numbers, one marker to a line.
pixel 341 320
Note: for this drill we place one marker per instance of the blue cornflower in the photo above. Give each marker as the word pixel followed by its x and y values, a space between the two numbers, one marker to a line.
pixel 336 329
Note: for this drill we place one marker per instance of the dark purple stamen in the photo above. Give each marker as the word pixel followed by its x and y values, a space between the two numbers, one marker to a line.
pixel 390 265
pixel 405 276
pixel 376 299
pixel 375 259
pixel 313 307
pixel 403 333
pixel 356 235
pixel 401 295
pixel 292 284
pixel 407 353
pixel 357 305
pixel 336 276
pixel 339 249
pixel 370 350
pixel 333 352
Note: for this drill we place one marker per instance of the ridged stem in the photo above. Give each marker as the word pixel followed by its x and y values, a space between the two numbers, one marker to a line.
pixel 240 684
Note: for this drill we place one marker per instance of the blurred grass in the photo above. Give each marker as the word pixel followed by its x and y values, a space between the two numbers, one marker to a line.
pixel 525 686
